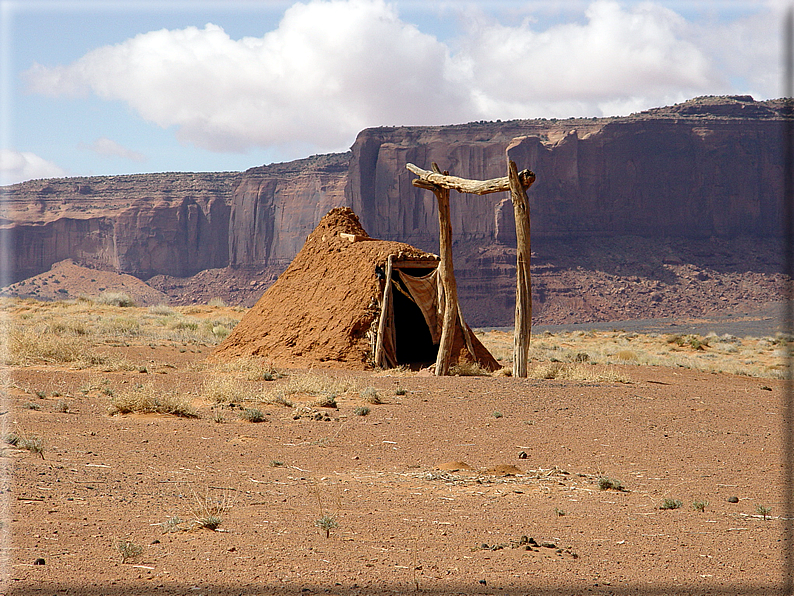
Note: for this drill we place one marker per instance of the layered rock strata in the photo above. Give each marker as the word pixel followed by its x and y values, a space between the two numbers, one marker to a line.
pixel 709 168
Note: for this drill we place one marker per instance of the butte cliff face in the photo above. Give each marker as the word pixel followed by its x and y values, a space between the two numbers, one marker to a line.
pixel 704 171
pixel 276 207
pixel 708 167
pixel 175 223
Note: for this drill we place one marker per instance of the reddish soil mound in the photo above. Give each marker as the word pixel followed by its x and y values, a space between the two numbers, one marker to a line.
pixel 67 280
pixel 324 306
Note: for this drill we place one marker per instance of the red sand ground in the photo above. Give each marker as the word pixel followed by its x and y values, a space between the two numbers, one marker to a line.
pixel 404 524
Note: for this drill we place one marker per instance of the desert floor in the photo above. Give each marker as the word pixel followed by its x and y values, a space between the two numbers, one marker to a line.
pixel 459 485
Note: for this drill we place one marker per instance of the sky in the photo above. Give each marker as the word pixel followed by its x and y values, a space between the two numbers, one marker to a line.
pixel 115 87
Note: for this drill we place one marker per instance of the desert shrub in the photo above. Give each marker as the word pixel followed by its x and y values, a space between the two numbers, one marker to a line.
pixel 252 415
pixel 671 504
pixel 693 341
pixel 31 443
pixel 605 483
pixel 115 299
pixel 763 511
pixel 147 399
pixel 326 523
pixel 173 524
pixel 361 411
pixel 216 302
pixel 128 550
pixel 371 396
pixel 220 332
pixel 700 506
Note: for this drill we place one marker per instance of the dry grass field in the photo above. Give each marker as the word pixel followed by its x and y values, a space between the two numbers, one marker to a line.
pixel 627 464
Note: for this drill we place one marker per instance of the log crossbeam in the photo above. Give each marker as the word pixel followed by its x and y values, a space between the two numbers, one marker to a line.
pixel 517 183
pixel 432 180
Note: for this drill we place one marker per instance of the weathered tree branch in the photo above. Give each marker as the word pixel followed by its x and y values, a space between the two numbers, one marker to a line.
pixel 432 180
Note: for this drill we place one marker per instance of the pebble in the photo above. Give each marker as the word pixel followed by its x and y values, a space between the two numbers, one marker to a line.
pixel 522 455
pixel 733 499
pixel 39 561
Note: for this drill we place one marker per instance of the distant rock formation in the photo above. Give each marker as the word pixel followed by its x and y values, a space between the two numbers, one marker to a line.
pixel 275 208
pixel 711 167
pixel 144 224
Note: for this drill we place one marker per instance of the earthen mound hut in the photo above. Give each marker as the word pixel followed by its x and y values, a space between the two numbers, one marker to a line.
pixel 327 307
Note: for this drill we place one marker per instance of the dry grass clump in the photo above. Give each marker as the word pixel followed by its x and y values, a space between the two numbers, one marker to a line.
pixel 119 327
pixel 749 356
pixel 577 372
pixel 207 512
pixel 371 395
pixel 146 399
pixel 27 344
pixel 226 389
pixel 111 317
pixel 468 369
pixel 68 327
pixel 162 310
pixel 310 387
pixel 115 299
pixel 251 369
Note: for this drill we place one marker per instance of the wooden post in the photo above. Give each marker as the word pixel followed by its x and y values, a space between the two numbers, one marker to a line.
pixel 447 273
pixel 385 310
pixel 523 319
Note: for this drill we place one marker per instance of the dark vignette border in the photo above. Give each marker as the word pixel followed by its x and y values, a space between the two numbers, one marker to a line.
pixel 788 251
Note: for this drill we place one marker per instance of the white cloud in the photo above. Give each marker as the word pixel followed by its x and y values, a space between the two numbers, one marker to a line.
pixel 617 59
pixel 18 166
pixel 110 148
pixel 333 67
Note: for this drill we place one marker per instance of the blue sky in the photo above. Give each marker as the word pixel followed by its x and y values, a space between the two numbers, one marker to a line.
pixel 114 87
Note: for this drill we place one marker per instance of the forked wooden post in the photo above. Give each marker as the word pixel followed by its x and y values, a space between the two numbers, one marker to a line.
pixel 447 273
pixel 517 183
pixel 523 319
